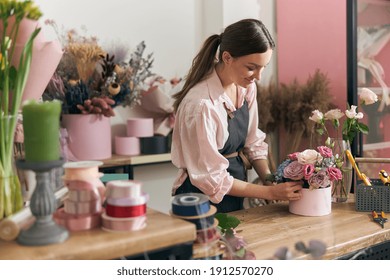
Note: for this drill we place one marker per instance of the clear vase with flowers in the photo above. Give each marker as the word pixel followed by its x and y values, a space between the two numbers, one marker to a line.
pixel 14 72
pixel 349 129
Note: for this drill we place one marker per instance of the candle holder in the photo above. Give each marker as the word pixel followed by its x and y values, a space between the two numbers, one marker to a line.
pixel 42 204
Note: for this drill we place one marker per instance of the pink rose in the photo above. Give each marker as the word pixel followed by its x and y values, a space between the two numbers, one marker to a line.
pixel 309 157
pixel 294 171
pixel 334 173
pixel 293 156
pixel 326 152
pixel 308 170
pixel 319 180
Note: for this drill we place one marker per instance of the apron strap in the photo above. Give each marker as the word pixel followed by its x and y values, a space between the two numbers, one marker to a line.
pixel 244 159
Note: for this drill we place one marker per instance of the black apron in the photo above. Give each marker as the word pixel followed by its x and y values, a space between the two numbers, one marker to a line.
pixel 238 130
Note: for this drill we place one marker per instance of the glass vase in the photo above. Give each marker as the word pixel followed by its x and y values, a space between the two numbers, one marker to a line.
pixel 342 188
pixel 11 199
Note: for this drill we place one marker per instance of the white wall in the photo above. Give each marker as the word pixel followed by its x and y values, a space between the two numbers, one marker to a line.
pixel 173 30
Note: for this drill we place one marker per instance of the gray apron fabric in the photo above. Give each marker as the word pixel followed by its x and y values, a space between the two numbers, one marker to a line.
pixel 238 129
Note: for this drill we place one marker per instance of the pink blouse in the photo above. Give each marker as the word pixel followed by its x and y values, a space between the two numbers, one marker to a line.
pixel 201 129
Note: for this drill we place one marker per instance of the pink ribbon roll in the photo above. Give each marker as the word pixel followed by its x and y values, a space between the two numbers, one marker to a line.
pixel 77 223
pixel 123 188
pixel 83 195
pixel 123 224
pixel 82 170
pixel 82 208
pixel 128 201
pixel 125 211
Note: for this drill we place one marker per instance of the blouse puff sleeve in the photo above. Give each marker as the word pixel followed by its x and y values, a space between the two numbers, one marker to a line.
pixel 198 132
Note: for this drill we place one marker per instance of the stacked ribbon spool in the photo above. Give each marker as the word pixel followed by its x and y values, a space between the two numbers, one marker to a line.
pixel 83 207
pixel 125 206
pixel 196 208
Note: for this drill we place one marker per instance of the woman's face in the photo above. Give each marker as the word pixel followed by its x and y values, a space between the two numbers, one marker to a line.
pixel 247 69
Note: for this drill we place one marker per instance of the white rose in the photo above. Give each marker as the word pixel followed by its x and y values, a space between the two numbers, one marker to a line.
pixel 367 96
pixel 316 116
pixel 351 113
pixel 334 114
pixel 309 156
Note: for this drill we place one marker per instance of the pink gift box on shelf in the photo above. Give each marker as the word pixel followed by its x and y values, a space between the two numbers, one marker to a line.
pixel 140 127
pixel 127 145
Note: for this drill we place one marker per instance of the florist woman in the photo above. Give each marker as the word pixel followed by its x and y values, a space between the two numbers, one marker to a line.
pixel 216 127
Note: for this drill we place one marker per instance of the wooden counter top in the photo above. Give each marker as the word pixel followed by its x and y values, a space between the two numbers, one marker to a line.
pixel 161 231
pixel 344 231
pixel 118 160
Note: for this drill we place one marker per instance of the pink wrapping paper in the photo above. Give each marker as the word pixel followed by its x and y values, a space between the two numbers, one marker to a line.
pixel 129 146
pixel 157 102
pixel 45 58
pixel 317 202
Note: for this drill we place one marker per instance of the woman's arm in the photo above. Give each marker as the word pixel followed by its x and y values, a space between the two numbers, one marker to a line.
pixel 283 191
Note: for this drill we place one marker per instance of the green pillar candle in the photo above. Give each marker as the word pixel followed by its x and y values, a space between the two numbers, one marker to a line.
pixel 41 125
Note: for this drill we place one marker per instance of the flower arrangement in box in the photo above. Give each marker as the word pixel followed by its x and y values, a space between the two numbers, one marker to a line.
pixel 14 71
pixel 92 80
pixel 316 168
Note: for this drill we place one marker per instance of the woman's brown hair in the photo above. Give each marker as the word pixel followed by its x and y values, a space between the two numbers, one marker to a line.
pixel 244 37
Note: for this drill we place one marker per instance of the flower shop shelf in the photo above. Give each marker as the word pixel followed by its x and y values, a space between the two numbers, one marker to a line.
pixel 345 231
pixel 163 236
pixel 128 162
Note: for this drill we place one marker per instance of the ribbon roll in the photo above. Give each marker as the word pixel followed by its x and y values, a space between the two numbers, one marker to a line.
pixel 77 223
pixel 125 211
pixel 203 221
pixel 123 224
pixel 123 188
pixel 82 170
pixel 190 204
pixel 83 195
pixel 128 201
pixel 82 208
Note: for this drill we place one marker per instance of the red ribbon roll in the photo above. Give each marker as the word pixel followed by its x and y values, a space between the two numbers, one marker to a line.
pixel 125 211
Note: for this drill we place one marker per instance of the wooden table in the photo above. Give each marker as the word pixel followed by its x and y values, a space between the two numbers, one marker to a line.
pixel 162 231
pixel 128 162
pixel 344 231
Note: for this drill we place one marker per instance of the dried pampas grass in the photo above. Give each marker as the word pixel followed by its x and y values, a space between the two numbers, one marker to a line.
pixel 290 106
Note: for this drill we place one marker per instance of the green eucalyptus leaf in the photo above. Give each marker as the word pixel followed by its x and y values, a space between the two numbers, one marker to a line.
pixel 226 221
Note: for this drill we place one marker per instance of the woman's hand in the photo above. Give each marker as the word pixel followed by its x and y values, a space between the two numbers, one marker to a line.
pixel 286 191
